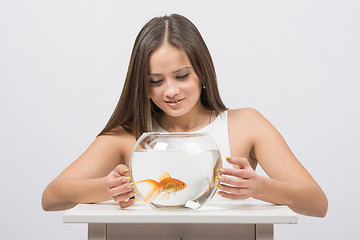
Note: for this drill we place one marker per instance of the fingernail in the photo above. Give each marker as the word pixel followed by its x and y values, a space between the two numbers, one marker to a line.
pixel 135 199
pixel 217 186
pixel 126 170
pixel 218 193
pixel 134 192
pixel 128 178
pixel 227 157
pixel 219 178
pixel 218 170
pixel 132 184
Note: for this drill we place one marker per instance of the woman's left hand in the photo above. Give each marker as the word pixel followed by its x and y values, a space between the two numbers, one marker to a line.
pixel 239 182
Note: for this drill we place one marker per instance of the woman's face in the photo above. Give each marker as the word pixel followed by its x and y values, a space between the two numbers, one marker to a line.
pixel 174 87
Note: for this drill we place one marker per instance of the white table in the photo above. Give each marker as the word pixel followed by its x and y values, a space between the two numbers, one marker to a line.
pixel 216 220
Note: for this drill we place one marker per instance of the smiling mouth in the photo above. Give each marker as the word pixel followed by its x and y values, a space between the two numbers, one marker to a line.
pixel 176 101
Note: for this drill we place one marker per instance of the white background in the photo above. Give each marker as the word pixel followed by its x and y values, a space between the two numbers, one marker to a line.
pixel 62 65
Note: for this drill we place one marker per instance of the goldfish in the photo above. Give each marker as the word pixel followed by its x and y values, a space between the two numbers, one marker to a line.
pixel 166 185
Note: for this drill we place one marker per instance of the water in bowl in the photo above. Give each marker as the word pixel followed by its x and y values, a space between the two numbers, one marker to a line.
pixel 175 179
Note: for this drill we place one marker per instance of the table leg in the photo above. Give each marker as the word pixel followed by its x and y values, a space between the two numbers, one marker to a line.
pixel 185 231
pixel 97 231
pixel 264 231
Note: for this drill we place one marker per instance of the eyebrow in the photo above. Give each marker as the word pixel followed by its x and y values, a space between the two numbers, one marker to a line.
pixel 157 74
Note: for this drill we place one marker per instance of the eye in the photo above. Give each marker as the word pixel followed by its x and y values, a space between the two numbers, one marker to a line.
pixel 182 76
pixel 156 81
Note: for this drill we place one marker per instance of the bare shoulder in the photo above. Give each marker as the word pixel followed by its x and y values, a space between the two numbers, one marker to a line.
pixel 118 137
pixel 244 114
pixel 250 121
pixel 246 119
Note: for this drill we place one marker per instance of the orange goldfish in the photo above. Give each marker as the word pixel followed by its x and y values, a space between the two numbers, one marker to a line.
pixel 166 185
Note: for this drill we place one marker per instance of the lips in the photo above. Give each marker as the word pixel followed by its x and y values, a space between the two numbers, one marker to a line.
pixel 174 102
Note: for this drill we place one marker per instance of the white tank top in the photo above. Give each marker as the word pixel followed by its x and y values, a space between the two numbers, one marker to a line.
pixel 218 130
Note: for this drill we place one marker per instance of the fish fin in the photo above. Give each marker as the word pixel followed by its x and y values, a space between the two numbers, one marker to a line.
pixel 163 176
pixel 153 182
pixel 152 195
pixel 165 196
pixel 153 192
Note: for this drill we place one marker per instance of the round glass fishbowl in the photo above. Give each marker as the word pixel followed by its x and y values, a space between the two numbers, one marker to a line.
pixel 175 170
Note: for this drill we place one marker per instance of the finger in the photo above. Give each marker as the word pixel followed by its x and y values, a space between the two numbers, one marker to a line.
pixel 243 195
pixel 123 188
pixel 238 162
pixel 126 204
pixel 242 173
pixel 122 169
pixel 114 174
pixel 114 182
pixel 124 197
pixel 234 181
pixel 231 189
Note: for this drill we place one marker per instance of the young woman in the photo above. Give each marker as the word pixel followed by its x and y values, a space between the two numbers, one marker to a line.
pixel 171 86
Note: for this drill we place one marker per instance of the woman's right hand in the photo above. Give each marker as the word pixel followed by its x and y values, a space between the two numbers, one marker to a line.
pixel 119 187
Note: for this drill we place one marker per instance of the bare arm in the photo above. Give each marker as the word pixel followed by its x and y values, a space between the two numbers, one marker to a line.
pixel 84 180
pixel 289 183
pixel 66 192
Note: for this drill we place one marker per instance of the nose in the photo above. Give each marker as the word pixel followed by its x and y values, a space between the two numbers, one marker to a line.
pixel 172 90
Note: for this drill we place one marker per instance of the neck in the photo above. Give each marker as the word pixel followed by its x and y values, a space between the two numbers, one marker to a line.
pixel 190 122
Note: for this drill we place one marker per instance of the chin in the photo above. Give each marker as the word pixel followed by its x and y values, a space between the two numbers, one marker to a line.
pixel 174 113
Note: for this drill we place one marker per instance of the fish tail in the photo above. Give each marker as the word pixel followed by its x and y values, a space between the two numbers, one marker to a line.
pixel 154 191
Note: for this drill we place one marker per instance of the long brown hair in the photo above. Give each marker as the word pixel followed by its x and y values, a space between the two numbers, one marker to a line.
pixel 135 110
